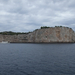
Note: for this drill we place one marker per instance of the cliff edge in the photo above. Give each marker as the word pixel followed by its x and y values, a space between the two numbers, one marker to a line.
pixel 52 34
pixel 44 35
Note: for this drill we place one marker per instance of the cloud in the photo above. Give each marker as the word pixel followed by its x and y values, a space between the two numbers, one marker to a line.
pixel 28 15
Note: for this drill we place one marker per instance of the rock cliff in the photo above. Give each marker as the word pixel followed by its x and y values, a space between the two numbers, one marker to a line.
pixel 46 35
pixel 53 34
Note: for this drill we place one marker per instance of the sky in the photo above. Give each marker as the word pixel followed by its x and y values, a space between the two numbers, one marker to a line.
pixel 28 15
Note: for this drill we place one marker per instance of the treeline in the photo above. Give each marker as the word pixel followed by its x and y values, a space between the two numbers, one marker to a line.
pixel 16 33
pixel 44 27
pixel 12 33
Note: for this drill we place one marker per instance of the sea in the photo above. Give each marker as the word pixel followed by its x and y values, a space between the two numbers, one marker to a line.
pixel 37 59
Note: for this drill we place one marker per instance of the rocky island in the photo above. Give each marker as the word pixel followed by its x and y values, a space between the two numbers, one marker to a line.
pixel 42 35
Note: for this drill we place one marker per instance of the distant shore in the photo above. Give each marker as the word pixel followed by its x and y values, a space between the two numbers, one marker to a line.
pixel 56 34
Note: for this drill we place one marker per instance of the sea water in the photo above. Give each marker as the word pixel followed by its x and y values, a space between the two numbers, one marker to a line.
pixel 37 59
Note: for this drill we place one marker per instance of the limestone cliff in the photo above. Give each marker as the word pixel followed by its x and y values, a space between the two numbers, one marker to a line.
pixel 53 34
pixel 46 35
pixel 74 36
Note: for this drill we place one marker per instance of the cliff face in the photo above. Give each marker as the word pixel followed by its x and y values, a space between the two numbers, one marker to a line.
pixel 74 36
pixel 56 34
pixel 53 34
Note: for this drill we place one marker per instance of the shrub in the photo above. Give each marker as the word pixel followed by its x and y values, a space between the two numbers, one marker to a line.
pixel 44 27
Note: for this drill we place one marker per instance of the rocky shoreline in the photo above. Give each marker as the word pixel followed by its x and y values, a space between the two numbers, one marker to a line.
pixel 44 35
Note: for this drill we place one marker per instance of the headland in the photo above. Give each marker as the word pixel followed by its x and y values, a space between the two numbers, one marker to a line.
pixel 42 35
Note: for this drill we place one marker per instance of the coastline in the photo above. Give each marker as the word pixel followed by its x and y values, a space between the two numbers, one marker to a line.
pixel 44 35
pixel 43 43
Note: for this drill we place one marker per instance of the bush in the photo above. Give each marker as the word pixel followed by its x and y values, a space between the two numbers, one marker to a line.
pixel 11 33
pixel 44 27
pixel 58 26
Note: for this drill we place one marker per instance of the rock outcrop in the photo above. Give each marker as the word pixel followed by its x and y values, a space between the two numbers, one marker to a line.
pixel 53 34
pixel 73 37
pixel 46 35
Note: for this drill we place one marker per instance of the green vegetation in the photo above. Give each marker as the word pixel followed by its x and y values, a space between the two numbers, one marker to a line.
pixel 44 27
pixel 12 33
pixel 16 33
pixel 58 26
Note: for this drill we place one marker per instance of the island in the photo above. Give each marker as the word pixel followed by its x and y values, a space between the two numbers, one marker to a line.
pixel 57 34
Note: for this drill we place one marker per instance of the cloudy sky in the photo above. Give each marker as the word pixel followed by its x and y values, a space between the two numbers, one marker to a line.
pixel 28 15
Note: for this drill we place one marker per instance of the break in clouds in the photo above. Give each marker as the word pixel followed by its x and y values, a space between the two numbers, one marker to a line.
pixel 28 15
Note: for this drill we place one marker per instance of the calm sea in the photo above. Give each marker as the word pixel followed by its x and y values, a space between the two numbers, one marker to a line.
pixel 37 59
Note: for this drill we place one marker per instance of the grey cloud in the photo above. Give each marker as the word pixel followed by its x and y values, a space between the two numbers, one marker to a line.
pixel 4 1
pixel 28 15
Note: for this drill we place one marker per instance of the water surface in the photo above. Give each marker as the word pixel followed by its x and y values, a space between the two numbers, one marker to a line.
pixel 37 59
